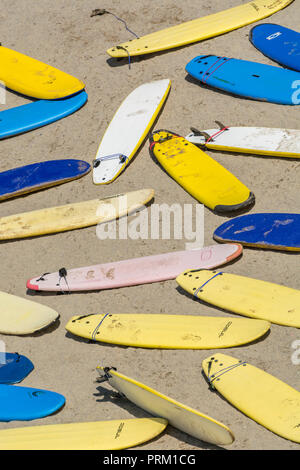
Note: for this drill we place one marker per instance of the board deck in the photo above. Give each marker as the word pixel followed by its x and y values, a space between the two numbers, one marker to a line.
pixel 28 117
pixel 262 397
pixel 14 367
pixel 128 129
pixel 199 29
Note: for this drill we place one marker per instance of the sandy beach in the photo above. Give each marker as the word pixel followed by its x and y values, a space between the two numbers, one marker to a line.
pixel 65 35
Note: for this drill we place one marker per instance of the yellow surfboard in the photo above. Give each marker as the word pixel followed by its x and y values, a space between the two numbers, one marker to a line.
pixel 201 176
pixel 34 78
pixel 72 216
pixel 243 295
pixel 178 415
pixel 102 435
pixel 200 29
pixel 167 331
pixel 261 396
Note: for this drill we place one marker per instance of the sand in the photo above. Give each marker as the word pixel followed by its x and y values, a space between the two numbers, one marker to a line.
pixel 64 35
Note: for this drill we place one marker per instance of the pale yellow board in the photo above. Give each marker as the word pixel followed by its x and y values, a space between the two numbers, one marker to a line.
pixel 102 435
pixel 20 316
pixel 167 331
pixel 184 418
pixel 261 396
pixel 244 295
pixel 200 29
pixel 72 216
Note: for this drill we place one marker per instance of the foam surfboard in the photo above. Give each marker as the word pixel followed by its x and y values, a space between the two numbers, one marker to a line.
pixel 201 176
pixel 31 116
pixel 262 397
pixel 100 435
pixel 34 78
pixel 24 404
pixel 72 216
pixel 167 331
pixel 180 416
pixel 249 140
pixel 128 129
pixel 199 29
pixel 244 295
pixel 29 178
pixel 276 231
pixel 14 367
pixel 246 79
pixel 278 43
pixel 20 316
pixel 135 271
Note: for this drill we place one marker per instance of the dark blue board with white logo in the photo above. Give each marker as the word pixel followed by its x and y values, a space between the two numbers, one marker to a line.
pixel 14 367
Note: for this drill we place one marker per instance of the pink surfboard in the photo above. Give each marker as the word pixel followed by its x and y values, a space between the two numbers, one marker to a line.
pixel 135 271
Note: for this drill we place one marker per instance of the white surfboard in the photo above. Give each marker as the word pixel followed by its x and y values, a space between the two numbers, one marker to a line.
pixel 252 140
pixel 128 129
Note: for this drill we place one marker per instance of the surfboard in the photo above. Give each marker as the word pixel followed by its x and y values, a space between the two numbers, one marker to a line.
pixel 155 268
pixel 20 316
pixel 100 435
pixel 180 416
pixel 14 367
pixel 276 231
pixel 24 404
pixel 39 113
pixel 29 178
pixel 244 295
pixel 246 79
pixel 72 216
pixel 128 129
pixel 262 397
pixel 200 29
pixel 278 43
pixel 167 331
pixel 251 140
pixel 33 78
pixel 201 176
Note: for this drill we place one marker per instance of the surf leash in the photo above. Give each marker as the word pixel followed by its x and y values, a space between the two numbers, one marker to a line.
pixel 216 376
pixel 200 289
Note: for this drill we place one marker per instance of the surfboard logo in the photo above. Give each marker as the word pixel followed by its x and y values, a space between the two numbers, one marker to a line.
pixel 274 35
pixel 120 428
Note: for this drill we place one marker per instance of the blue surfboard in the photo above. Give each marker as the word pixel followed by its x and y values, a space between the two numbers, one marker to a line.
pixel 39 113
pixel 24 404
pixel 14 367
pixel 278 43
pixel 41 175
pixel 247 79
pixel 279 231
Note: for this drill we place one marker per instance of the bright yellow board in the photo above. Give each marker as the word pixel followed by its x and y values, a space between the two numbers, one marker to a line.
pixel 72 216
pixel 102 435
pixel 167 331
pixel 34 78
pixel 261 396
pixel 199 29
pixel 201 176
pixel 243 295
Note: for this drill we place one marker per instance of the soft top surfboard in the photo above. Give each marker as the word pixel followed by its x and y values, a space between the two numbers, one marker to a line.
pixel 24 404
pixel 200 29
pixel 33 78
pixel 180 416
pixel 251 140
pixel 246 79
pixel 278 43
pixel 276 231
pixel 116 434
pixel 262 397
pixel 72 216
pixel 135 271
pixel 201 176
pixel 128 129
pixel 167 331
pixel 14 367
pixel 31 116
pixel 243 295
pixel 29 178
